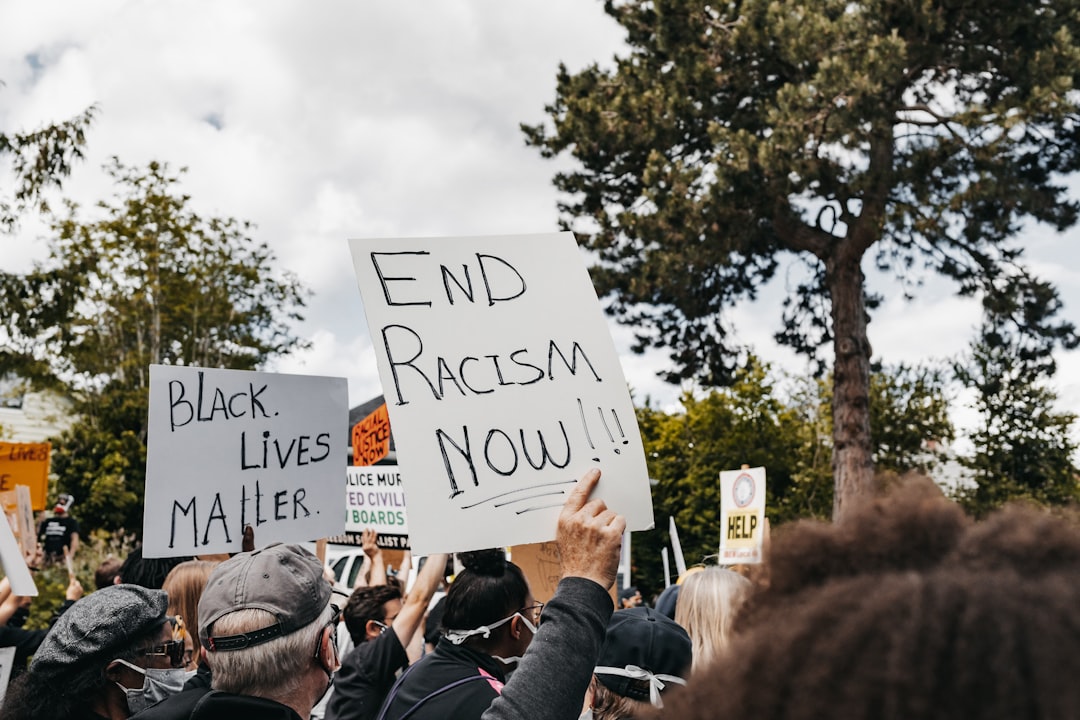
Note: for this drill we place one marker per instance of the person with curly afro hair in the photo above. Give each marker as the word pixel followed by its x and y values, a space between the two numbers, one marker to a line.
pixel 906 610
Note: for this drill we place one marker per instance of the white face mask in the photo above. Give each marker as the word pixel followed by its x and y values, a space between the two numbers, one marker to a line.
pixel 459 636
pixel 158 684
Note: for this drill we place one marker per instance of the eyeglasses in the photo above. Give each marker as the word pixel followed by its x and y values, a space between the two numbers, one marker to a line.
pixel 537 612
pixel 174 650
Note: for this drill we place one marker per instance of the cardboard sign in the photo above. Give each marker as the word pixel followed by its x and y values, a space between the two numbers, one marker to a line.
pixel 24 528
pixel 26 464
pixel 742 516
pixel 502 383
pixel 228 448
pixel 540 563
pixel 375 499
pixel 371 437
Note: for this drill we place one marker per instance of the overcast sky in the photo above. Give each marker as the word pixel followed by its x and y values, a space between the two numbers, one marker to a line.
pixel 325 120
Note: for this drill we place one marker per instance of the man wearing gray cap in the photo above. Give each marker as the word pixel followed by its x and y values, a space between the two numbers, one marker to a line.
pixel 110 655
pixel 267 626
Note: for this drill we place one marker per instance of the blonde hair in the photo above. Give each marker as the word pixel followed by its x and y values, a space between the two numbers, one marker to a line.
pixel 707 603
pixel 184 585
pixel 273 669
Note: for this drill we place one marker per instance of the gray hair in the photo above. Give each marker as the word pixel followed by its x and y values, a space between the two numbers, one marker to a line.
pixel 271 669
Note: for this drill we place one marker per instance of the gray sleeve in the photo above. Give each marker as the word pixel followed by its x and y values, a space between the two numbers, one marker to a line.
pixel 551 679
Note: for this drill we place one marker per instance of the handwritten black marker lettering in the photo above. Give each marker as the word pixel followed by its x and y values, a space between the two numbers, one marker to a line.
pixel 545 456
pixel 571 364
pixel 490 275
pixel 443 438
pixel 396 363
pixel 384 280
pixel 216 513
pixel 185 510
pixel 466 289
pixel 493 433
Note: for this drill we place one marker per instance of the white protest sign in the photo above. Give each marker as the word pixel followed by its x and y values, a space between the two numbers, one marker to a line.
pixel 229 448
pixel 676 547
pixel 7 661
pixel 375 499
pixel 742 516
pixel 11 557
pixel 502 383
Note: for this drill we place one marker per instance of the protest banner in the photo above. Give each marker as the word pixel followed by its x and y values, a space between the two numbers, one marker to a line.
pixel 229 448
pixel 374 498
pixel 742 516
pixel 26 464
pixel 502 385
pixel 667 567
pixel 14 564
pixel 371 437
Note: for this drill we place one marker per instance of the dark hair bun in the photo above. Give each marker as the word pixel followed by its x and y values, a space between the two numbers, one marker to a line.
pixel 485 562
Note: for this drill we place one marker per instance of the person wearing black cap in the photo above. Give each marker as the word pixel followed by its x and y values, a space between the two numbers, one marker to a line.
pixel 644 655
pixel 107 657
pixel 267 625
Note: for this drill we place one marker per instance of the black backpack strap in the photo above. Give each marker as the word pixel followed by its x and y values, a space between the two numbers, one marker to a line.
pixel 435 693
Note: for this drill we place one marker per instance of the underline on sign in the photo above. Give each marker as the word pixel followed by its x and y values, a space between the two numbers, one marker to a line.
pixel 539 507
pixel 524 489
pixel 530 497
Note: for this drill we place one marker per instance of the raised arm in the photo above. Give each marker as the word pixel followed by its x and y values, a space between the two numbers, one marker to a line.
pixel 554 673
pixel 416 602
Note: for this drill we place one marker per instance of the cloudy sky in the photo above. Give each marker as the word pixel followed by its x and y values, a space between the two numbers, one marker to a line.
pixel 325 120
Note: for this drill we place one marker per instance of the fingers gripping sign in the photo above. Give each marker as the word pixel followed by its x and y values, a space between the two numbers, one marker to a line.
pixel 589 535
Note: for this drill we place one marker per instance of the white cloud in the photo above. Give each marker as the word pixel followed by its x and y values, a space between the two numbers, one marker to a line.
pixel 328 120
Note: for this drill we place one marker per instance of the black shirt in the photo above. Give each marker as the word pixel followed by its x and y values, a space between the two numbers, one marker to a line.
pixel 55 534
pixel 366 676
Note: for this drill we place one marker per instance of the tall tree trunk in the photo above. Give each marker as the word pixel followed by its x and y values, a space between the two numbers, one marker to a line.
pixel 852 461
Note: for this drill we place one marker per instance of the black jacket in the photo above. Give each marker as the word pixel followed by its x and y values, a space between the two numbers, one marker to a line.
pixel 202 704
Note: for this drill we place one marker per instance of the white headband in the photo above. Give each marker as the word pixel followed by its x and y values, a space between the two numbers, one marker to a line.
pixel 656 682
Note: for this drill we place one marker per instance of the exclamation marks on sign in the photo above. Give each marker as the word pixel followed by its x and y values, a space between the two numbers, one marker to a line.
pixel 607 428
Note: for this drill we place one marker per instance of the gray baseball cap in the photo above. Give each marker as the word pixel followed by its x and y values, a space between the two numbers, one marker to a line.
pixel 284 580
pixel 98 626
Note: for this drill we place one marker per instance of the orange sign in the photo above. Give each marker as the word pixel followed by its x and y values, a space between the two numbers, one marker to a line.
pixel 26 464
pixel 371 437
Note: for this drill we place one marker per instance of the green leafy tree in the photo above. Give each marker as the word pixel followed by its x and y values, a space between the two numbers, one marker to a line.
pixel 733 136
pixel 746 423
pixel 150 281
pixel 1023 446
pixel 784 424
pixel 39 159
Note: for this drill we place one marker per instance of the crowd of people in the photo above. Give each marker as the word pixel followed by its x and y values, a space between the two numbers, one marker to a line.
pixel 906 609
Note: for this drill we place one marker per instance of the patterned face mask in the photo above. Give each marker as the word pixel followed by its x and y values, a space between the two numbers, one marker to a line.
pixel 158 684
